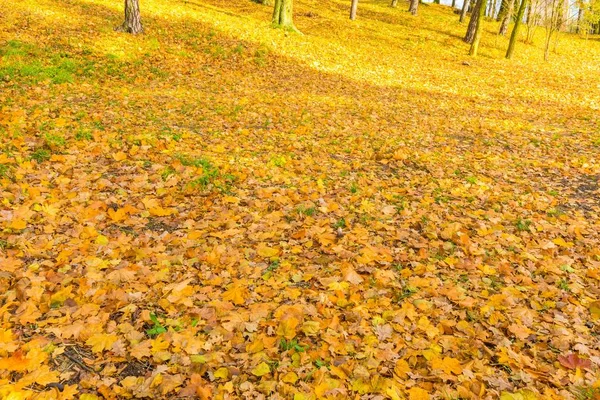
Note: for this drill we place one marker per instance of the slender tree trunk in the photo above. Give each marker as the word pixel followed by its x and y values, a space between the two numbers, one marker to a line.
pixel 436 1
pixel 463 12
pixel 515 31
pixel 414 5
pixel 579 17
pixel 394 3
pixel 478 30
pixel 353 8
pixel 507 17
pixel 283 13
pixel 503 9
pixel 470 35
pixel 453 4
pixel 494 6
pixel 133 21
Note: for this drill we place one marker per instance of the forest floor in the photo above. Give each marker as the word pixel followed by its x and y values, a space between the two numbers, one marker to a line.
pixel 219 209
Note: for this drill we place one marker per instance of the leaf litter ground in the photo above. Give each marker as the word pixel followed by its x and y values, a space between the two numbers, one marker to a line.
pixel 217 209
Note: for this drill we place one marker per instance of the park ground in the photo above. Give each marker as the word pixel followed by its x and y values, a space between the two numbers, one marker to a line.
pixel 219 209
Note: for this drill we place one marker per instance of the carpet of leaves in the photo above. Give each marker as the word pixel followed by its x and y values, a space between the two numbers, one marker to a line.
pixel 217 209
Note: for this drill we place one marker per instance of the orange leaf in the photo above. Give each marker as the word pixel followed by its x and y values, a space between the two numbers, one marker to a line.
pixel 572 361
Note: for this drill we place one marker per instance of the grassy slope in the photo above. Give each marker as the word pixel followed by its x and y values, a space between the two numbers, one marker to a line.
pixel 456 184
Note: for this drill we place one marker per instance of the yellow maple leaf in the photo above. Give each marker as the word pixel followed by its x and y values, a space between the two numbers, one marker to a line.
pixel 141 350
pixel 101 341
pixel 236 294
pixel 265 251
pixel 416 393
pixel 117 215
pixel 120 156
pixel 311 328
pixel 401 368
pixel 222 373
pixel 18 224
pixel 447 364
pixel 290 377
pixel 519 395
pixel 287 328
pixel 261 369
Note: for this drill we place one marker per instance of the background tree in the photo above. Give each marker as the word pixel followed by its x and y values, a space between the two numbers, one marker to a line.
pixel 413 6
pixel 515 31
pixel 470 35
pixel 506 17
pixel 463 12
pixel 478 30
pixel 353 8
pixel 553 20
pixel 133 21
pixel 590 17
pixel 394 3
pixel 283 14
pixel 534 19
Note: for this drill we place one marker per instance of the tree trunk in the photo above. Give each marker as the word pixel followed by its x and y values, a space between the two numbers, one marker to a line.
pixel 515 31
pixel 414 5
pixel 579 15
pixel 133 21
pixel 478 30
pixel 470 35
pixel 353 8
pixel 503 9
pixel 436 1
pixel 394 3
pixel 453 4
pixel 506 18
pixel 463 12
pixel 282 14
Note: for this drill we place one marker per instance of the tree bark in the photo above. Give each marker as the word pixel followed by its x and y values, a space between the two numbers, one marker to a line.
pixel 463 12
pixel 414 5
pixel 394 3
pixel 353 8
pixel 453 4
pixel 478 29
pixel 133 21
pixel 506 18
pixel 503 8
pixel 477 10
pixel 515 31
pixel 282 14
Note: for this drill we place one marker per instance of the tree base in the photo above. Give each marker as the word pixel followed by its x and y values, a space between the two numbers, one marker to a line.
pixel 287 27
pixel 128 29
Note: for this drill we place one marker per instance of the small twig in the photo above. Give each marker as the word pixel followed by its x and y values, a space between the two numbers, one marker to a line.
pixel 81 364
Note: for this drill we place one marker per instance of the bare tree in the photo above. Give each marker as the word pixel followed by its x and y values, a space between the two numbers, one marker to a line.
pixel 478 29
pixel 283 15
pixel 133 21
pixel 414 5
pixel 465 8
pixel 534 19
pixel 353 8
pixel 507 17
pixel 515 31
pixel 472 28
